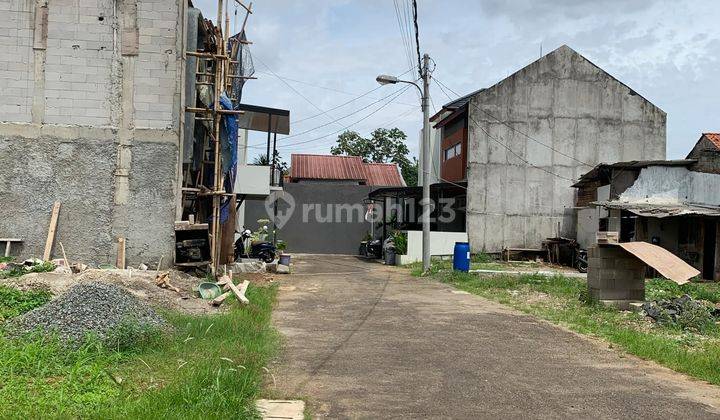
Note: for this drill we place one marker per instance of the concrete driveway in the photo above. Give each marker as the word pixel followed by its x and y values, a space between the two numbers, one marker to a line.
pixel 367 341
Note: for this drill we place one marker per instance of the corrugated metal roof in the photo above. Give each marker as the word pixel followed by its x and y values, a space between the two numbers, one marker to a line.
pixel 384 174
pixel 714 138
pixel 348 168
pixel 596 173
pixel 305 166
pixel 661 210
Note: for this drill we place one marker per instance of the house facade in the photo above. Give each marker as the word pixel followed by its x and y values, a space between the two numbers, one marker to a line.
pixel 526 139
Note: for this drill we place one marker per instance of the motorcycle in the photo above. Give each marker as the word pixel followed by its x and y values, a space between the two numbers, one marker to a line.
pixel 581 260
pixel 259 249
pixel 372 249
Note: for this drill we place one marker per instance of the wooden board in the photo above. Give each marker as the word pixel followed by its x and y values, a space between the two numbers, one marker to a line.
pixel 120 262
pixel 51 231
pixel 665 262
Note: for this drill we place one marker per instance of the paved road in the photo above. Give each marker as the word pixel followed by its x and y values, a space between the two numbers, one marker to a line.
pixel 367 341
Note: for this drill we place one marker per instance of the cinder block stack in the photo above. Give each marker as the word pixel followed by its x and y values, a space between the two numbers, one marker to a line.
pixel 615 275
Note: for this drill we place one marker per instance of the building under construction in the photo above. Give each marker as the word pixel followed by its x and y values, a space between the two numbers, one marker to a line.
pixel 124 118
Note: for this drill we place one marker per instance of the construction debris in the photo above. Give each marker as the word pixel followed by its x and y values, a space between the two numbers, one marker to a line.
pixel 683 311
pixel 94 307
pixel 163 280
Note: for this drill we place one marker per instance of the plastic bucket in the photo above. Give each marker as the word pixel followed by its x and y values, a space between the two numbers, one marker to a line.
pixel 461 257
pixel 284 259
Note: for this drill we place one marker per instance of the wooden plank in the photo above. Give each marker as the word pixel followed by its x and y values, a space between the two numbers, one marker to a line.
pixel 120 262
pixel 51 231
pixel 665 262
pixel 240 292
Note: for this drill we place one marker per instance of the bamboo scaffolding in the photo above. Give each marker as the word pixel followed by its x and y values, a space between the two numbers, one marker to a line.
pixel 220 80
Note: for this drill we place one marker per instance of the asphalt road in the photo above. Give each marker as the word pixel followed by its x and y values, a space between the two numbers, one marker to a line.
pixel 367 341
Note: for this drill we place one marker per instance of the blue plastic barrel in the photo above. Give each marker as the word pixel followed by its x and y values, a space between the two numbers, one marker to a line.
pixel 461 257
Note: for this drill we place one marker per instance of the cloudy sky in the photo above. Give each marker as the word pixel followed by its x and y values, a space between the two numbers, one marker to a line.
pixel 312 57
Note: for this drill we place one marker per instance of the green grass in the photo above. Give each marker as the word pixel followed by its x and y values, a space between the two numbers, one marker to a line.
pixel 13 302
pixel 557 299
pixel 207 367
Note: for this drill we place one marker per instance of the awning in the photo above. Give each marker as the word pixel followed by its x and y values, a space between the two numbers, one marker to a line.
pixel 662 260
pixel 661 210
pixel 260 118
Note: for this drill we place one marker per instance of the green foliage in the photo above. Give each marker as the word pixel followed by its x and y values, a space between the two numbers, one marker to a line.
pixel 208 366
pixel 262 160
pixel 19 270
pixel 383 146
pixel 14 302
pixel 281 245
pixel 130 335
pixel 400 240
pixel 481 257
pixel 697 318
pixel 658 289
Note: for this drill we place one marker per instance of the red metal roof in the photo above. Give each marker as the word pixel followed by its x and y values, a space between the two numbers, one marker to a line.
pixel 714 138
pixel 348 168
pixel 385 174
pixel 304 166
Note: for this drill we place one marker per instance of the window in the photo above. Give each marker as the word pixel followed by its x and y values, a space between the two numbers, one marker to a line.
pixel 453 151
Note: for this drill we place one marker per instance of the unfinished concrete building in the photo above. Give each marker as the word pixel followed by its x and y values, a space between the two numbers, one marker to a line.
pixel 528 137
pixel 90 118
pixel 94 109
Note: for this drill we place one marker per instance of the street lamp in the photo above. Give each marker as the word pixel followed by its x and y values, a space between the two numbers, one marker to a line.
pixel 384 79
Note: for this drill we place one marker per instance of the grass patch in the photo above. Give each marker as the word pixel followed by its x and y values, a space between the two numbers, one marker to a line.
pixel 557 299
pixel 207 367
pixel 14 302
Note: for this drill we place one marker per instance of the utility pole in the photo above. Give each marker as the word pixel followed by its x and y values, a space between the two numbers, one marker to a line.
pixel 426 203
pixel 427 206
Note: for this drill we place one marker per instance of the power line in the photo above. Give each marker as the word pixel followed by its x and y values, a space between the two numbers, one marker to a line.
pixel 397 95
pixel 403 32
pixel 440 83
pixel 293 89
pixel 340 118
pixel 357 95
pixel 417 36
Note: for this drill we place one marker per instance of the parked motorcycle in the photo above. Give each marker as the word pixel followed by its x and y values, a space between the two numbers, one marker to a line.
pixel 372 249
pixel 259 249
pixel 581 260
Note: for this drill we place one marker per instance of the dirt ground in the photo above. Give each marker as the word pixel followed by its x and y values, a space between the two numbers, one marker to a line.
pixel 139 283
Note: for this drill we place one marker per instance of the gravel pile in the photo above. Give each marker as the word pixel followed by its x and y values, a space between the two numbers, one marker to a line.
pixel 92 307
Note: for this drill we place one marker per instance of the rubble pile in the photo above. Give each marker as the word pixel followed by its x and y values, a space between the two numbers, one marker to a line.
pixel 92 307
pixel 683 311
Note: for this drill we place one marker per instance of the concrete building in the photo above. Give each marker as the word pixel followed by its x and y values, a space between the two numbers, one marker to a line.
pixel 90 118
pixel 528 137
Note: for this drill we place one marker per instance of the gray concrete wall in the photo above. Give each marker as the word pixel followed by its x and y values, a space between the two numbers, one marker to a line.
pixel 566 102
pixel 321 222
pixel 92 121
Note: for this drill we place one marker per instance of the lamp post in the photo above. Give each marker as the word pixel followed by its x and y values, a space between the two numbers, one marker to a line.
pixel 425 150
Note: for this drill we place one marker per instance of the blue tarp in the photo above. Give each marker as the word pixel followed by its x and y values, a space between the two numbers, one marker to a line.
pixel 228 143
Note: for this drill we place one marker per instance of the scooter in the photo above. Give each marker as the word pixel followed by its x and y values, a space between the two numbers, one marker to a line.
pixel 262 250
pixel 582 260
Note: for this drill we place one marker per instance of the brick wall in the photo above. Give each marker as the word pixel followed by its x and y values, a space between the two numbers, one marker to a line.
pixel 156 79
pixel 78 63
pixel 16 60
pixel 83 72
pixel 614 274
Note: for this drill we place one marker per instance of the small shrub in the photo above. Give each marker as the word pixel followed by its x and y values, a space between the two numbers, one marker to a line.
pixel 481 257
pixel 696 318
pixel 400 240
pixel 130 335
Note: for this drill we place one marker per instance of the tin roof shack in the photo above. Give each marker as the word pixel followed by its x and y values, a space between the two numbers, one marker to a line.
pixel 666 203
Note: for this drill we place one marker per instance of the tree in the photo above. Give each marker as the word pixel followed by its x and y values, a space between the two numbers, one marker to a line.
pixel 383 146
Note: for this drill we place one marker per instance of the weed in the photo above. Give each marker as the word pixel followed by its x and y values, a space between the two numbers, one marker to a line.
pixel 17 270
pixel 14 302
pixel 481 257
